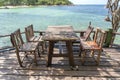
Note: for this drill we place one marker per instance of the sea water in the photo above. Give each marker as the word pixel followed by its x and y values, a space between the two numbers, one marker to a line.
pixel 41 17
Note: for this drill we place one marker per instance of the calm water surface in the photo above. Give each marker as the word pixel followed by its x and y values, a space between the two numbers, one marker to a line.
pixel 41 17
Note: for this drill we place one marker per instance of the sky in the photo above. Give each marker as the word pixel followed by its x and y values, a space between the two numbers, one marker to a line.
pixel 89 1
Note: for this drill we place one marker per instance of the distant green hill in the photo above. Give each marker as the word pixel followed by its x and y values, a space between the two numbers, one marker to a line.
pixel 34 2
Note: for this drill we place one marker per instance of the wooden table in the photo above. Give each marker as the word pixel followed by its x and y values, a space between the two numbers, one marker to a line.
pixel 60 33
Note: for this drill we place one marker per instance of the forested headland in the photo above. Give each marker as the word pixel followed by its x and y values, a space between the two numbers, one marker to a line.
pixel 34 2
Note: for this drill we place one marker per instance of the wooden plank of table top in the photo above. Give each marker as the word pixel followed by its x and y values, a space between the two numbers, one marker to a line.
pixel 52 31
pixel 60 28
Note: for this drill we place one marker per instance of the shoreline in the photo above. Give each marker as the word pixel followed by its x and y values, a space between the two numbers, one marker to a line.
pixel 25 6
pixel 12 7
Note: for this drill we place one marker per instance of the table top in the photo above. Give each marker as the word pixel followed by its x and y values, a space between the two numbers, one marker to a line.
pixel 60 33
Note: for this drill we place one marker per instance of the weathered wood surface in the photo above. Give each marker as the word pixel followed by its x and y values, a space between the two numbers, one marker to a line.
pixel 30 36
pixel 63 33
pixel 21 47
pixel 60 33
pixel 108 69
pixel 92 46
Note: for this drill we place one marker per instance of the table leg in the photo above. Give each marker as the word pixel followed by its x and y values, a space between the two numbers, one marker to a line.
pixel 70 53
pixel 50 53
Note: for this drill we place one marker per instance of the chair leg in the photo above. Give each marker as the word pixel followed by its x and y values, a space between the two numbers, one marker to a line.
pixel 83 54
pixel 92 53
pixel 38 51
pixel 26 55
pixel 98 58
pixel 80 51
pixel 42 45
pixel 45 46
pixel 19 60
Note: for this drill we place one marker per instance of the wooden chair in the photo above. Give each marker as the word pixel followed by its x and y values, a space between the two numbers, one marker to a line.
pixel 92 46
pixel 85 36
pixel 21 47
pixel 30 37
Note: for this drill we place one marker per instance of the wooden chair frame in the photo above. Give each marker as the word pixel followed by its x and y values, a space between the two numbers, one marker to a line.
pixel 29 33
pixel 92 46
pixel 30 37
pixel 87 33
pixel 20 46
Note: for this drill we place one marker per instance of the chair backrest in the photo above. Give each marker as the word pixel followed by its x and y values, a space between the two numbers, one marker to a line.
pixel 99 37
pixel 16 39
pixel 88 32
pixel 29 32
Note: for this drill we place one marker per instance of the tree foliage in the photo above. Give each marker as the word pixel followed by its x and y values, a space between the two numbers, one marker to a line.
pixel 34 2
pixel 113 16
pixel 2 2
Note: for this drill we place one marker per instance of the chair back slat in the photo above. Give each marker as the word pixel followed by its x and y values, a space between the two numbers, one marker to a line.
pixel 87 33
pixel 29 32
pixel 16 39
pixel 99 37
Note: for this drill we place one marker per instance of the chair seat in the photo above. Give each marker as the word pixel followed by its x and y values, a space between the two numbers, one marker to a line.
pixel 36 39
pixel 89 45
pixel 29 47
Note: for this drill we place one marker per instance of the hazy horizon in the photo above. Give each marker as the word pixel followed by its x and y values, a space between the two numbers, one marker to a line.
pixel 89 2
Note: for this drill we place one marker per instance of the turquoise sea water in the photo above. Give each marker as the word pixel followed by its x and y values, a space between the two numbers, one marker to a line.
pixel 41 17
